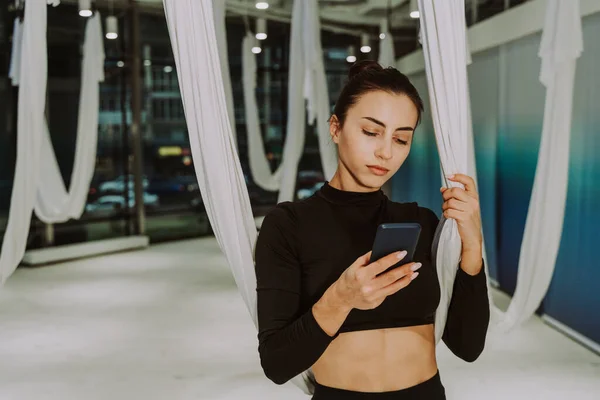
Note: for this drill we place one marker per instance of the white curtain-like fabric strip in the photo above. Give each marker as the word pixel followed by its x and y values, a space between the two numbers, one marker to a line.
pixel 294 142
pixel 218 169
pixel 30 129
pixel 561 46
pixel 443 29
pixel 219 8
pixel 15 54
pixel 54 203
pixel 306 80
pixel 259 165
pixel 315 86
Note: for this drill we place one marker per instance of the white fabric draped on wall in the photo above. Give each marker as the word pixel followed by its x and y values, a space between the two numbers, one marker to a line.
pixel 443 30
pixel 259 165
pixel 561 46
pixel 30 129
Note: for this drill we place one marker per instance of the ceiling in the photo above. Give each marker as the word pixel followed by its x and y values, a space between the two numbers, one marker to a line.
pixel 348 17
pixel 340 16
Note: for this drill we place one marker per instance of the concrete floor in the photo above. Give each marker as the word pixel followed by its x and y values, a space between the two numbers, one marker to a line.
pixel 168 323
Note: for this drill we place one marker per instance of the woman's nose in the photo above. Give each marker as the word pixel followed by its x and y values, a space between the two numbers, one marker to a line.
pixel 384 151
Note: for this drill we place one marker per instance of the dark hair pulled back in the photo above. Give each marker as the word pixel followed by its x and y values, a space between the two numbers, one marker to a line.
pixel 368 76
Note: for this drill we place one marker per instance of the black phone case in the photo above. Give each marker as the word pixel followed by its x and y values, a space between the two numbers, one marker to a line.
pixel 394 237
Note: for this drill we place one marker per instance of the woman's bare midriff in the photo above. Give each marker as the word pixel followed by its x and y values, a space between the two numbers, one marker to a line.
pixel 378 360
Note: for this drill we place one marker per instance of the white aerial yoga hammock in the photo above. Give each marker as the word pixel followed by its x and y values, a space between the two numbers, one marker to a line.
pixel 306 80
pixel 53 203
pixel 218 169
pixel 30 128
pixel 221 32
pixel 259 165
pixel 192 32
pixel 15 55
pixel 561 46
pixel 443 30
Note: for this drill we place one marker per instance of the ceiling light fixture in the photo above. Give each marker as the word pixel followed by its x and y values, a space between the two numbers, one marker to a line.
pixel 261 28
pixel 112 27
pixel 414 9
pixel 85 8
pixel 351 58
pixel 365 47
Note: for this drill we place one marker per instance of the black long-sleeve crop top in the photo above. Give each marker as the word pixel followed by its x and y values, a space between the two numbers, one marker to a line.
pixel 303 247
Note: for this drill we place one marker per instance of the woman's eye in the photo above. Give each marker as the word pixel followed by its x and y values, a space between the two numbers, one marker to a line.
pixel 399 141
pixel 369 133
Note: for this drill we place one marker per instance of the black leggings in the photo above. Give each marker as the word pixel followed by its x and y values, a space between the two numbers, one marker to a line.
pixel 431 389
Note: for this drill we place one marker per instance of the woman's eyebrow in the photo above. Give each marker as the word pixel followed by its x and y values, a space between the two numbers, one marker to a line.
pixel 401 128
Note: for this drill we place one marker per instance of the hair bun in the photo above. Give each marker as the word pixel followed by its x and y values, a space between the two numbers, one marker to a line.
pixel 363 66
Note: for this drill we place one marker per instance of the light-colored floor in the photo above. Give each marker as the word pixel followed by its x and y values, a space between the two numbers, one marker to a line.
pixel 168 323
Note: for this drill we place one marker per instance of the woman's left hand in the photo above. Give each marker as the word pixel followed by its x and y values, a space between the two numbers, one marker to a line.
pixel 462 205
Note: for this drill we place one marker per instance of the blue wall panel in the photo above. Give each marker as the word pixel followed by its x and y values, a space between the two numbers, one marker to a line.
pixel 507 111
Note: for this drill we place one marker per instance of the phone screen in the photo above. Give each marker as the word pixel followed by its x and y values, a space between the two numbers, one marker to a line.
pixel 394 237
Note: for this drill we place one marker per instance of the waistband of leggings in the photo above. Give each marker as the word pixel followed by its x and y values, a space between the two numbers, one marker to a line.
pixel 429 387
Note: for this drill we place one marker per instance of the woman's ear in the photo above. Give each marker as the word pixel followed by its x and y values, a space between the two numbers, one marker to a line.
pixel 335 129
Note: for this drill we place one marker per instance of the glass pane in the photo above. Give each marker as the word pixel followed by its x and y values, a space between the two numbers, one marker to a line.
pixel 173 205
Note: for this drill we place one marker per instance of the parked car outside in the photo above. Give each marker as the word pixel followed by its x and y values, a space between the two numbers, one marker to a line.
pixel 117 185
pixel 111 204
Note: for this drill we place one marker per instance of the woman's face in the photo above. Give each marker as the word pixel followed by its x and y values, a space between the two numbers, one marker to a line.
pixel 376 137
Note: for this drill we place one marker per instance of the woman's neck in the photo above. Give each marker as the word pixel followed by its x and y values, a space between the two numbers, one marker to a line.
pixel 344 180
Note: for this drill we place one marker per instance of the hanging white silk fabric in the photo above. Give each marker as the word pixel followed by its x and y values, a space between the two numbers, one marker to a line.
pixel 15 54
pixel 294 141
pixel 443 30
pixel 259 165
pixel 30 128
pixel 306 80
pixel 315 86
pixel 221 32
pixel 54 203
pixel 218 169
pixel 386 47
pixel 561 46
pixel 472 172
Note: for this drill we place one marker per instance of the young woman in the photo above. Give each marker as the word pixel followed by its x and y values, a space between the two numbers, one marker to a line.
pixel 322 304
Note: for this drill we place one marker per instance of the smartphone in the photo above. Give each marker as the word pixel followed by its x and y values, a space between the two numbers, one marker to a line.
pixel 394 237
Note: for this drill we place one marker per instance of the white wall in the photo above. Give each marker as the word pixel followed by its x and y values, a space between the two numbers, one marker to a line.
pixel 513 24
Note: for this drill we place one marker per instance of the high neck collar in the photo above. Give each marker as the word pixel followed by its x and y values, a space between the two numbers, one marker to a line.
pixel 344 197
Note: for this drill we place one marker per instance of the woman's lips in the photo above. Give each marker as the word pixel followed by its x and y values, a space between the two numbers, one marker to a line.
pixel 377 170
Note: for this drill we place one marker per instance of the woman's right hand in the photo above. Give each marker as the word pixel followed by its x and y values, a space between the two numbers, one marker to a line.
pixel 365 285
